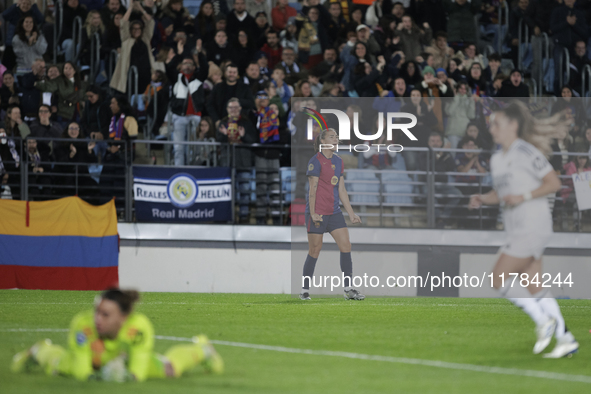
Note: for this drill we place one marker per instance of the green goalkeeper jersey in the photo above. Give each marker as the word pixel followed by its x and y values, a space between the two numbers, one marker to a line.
pixel 88 353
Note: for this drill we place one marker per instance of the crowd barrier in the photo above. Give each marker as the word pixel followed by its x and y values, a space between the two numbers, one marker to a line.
pixel 382 197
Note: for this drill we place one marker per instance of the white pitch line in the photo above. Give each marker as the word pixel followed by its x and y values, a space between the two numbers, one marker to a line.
pixel 360 356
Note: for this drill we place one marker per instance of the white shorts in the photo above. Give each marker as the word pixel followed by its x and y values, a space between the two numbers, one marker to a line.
pixel 523 246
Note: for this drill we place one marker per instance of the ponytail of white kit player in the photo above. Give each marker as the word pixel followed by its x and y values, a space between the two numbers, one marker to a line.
pixel 538 132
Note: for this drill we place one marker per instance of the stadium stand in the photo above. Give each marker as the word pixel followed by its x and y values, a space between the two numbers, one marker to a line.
pixel 154 85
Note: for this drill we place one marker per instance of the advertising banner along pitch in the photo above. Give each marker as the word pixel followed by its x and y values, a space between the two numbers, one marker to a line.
pixel 188 195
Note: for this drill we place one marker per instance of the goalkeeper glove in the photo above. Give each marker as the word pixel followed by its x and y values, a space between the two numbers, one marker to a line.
pixel 115 371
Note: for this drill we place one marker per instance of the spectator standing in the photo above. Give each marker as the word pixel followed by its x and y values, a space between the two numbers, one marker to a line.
pixel 135 50
pixel 28 44
pixel 460 26
pixel 186 105
pixel 12 16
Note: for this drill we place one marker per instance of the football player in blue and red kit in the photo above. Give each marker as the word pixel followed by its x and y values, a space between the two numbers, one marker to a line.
pixel 323 211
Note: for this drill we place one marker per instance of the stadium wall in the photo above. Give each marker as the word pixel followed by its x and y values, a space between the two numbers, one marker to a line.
pixel 258 259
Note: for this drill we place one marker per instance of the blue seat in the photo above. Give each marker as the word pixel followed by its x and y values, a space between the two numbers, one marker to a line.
pixel 353 175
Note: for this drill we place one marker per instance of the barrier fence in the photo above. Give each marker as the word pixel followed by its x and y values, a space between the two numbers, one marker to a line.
pixel 388 197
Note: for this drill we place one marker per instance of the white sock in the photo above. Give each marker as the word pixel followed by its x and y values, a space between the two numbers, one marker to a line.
pixel 305 291
pixel 522 298
pixel 548 303
pixel 347 288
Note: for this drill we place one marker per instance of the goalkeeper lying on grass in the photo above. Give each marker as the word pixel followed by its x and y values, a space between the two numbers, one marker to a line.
pixel 113 343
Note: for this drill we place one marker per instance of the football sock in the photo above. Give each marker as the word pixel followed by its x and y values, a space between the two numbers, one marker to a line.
pixel 309 267
pixel 184 357
pixel 522 298
pixel 347 268
pixel 549 305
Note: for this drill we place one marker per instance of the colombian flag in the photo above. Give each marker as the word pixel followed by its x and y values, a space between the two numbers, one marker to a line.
pixel 65 244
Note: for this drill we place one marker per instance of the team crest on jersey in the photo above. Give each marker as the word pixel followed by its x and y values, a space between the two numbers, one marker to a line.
pixel 334 180
pixel 311 167
pixel 80 338
pixel 333 167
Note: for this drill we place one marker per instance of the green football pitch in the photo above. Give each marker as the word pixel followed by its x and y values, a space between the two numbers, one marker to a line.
pixel 278 344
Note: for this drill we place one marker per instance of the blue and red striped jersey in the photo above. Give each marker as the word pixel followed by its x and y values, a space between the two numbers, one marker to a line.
pixel 329 172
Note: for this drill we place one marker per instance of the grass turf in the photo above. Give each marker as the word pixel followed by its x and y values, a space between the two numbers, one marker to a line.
pixel 487 332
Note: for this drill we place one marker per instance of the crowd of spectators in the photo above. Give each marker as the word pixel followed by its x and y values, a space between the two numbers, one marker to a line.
pixel 228 72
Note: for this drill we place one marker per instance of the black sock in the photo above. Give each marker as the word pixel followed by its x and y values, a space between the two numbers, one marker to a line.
pixel 309 266
pixel 347 268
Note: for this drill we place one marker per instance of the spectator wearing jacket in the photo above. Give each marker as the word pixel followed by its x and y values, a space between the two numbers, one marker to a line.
pixel 230 87
pixel 44 127
pixel 460 25
pixel 568 26
pixel 186 104
pixel 16 12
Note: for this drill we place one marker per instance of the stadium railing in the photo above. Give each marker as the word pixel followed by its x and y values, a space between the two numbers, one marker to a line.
pixel 384 198
pixel 564 68
pixel 523 39
pixel 95 56
pixel 503 22
pixel 77 26
pixel 63 179
pixel 57 28
pixel 586 81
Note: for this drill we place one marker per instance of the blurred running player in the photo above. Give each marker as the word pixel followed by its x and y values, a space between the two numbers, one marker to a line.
pixel 114 343
pixel 522 178
pixel 323 212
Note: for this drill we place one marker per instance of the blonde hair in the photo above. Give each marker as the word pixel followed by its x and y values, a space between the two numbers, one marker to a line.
pixel 321 136
pixel 89 27
pixel 538 132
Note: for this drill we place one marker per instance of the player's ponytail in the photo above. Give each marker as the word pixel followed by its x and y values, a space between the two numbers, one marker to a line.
pixel 124 298
pixel 538 132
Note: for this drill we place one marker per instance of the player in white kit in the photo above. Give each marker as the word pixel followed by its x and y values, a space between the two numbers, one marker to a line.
pixel 522 180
